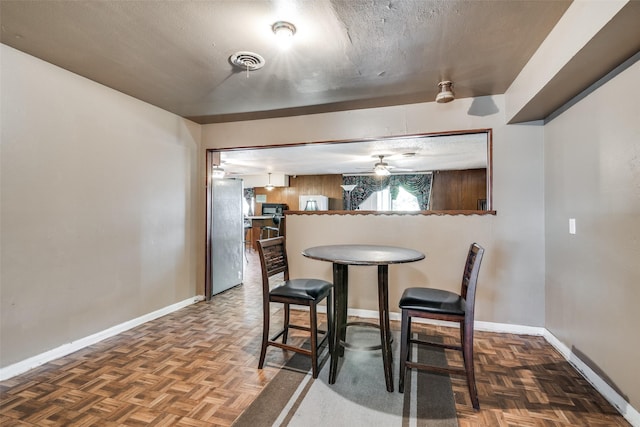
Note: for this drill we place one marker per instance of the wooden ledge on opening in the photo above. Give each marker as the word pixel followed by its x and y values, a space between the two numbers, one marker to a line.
pixel 359 212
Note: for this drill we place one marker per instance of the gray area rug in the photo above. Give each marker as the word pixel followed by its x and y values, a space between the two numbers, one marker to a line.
pixel 359 396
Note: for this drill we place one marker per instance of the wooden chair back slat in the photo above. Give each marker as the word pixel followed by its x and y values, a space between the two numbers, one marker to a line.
pixel 424 309
pixel 471 271
pixel 273 257
pixel 273 260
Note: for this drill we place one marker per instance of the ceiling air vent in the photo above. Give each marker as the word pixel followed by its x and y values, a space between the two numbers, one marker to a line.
pixel 248 61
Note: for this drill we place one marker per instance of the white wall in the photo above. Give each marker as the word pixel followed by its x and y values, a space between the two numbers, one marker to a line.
pixel 592 174
pixel 99 207
pixel 511 286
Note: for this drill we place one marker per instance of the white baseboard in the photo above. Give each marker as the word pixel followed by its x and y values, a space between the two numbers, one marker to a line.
pixel 58 352
pixel 503 328
pixel 626 410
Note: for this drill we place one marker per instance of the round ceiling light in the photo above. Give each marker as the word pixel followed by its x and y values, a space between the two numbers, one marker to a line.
pixel 284 32
pixel 283 29
pixel 446 92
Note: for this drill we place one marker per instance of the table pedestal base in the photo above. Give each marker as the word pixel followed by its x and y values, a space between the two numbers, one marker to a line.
pixel 340 280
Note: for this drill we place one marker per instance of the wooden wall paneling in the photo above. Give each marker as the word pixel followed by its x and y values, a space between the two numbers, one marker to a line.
pixel 452 190
pixel 458 190
pixel 301 185
pixel 325 185
pixel 473 188
pixel 440 190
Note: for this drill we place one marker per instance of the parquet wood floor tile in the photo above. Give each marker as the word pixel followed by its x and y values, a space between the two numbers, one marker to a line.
pixel 198 367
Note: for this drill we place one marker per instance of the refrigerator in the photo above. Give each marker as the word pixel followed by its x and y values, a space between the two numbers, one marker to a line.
pixel 227 228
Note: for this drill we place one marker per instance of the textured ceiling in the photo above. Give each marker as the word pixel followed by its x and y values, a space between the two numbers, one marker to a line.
pixel 403 155
pixel 345 54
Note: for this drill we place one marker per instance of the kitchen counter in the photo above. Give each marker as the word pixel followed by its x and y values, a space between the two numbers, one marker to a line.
pixel 257 221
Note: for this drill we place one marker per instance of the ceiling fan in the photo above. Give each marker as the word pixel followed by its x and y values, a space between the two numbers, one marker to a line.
pixel 382 168
pixel 221 170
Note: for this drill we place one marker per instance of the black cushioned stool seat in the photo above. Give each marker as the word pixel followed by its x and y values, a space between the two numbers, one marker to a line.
pixel 301 291
pixel 308 289
pixel 439 304
pixel 433 300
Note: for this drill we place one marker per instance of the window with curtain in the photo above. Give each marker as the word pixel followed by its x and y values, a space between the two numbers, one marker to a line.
pixel 401 190
pixel 381 201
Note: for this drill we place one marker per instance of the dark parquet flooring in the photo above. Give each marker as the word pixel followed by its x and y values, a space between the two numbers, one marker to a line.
pixel 198 367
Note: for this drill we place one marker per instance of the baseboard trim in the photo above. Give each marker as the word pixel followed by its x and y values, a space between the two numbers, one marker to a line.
pixel 58 352
pixel 626 410
pixel 503 328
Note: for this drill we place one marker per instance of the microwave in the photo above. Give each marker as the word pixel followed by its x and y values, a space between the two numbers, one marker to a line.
pixel 273 208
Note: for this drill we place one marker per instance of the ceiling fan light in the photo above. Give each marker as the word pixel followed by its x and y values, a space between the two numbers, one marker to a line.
pixel 217 172
pixel 446 92
pixel 381 170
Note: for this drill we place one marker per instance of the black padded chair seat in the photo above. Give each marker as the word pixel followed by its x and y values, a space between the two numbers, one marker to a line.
pixel 432 300
pixel 308 289
pixel 438 304
pixel 299 291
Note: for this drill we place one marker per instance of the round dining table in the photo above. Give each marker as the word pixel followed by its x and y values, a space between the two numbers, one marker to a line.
pixel 342 256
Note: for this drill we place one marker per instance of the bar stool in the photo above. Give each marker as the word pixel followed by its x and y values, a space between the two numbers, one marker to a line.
pixel 438 304
pixel 267 230
pixel 248 236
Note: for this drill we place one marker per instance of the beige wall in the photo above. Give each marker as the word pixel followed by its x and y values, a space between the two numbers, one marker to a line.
pixel 512 279
pixel 99 207
pixel 592 174
pixel 102 213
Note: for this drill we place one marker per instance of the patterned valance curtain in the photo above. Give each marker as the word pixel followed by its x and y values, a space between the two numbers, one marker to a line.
pixel 365 186
pixel 249 193
pixel 418 185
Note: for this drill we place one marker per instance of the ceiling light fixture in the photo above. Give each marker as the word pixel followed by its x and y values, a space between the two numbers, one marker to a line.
pixel 446 92
pixel 269 186
pixel 283 29
pixel 381 171
pixel 284 32
pixel 217 172
pixel 381 168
